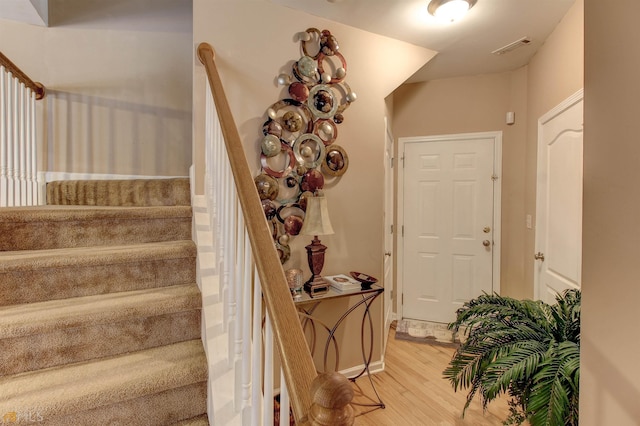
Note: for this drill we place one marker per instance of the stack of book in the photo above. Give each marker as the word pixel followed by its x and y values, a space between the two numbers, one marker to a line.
pixel 343 282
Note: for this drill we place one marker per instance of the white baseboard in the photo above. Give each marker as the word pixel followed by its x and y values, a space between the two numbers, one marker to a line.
pixel 53 176
pixel 374 367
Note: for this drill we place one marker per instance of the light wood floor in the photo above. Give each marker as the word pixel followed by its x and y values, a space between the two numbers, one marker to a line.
pixel 415 394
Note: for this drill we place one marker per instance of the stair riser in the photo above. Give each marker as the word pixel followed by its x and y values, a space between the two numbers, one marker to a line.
pixel 94 341
pixel 155 192
pixel 85 233
pixel 201 420
pixel 59 283
pixel 164 408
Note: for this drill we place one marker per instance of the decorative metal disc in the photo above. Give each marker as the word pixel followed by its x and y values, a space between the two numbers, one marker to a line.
pixel 271 127
pixel 270 145
pixel 292 216
pixel 289 165
pixel 336 161
pixel 307 66
pixel 312 181
pixel 284 252
pixel 322 101
pixel 340 72
pixel 306 155
pixel 320 127
pixel 267 186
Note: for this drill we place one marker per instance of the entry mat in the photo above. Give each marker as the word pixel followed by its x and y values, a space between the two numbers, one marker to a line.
pixel 432 333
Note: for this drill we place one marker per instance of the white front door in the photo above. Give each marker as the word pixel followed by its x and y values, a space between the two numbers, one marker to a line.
pixel 558 254
pixel 451 242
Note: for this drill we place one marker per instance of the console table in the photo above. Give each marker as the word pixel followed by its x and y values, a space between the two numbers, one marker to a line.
pixel 307 304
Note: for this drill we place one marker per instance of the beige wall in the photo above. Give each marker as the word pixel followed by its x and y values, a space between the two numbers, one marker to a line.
pixel 610 376
pixel 555 73
pixel 479 103
pixel 119 86
pixel 249 65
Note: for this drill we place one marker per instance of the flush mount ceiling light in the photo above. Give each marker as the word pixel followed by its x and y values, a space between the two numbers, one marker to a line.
pixel 450 10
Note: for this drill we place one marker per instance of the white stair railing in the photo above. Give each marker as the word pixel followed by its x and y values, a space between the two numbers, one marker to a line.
pixel 19 184
pixel 250 351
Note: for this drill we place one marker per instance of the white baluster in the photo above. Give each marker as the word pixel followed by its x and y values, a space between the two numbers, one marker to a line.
pixel 267 406
pixel 10 138
pixel 4 140
pixel 22 145
pixel 33 157
pixel 256 354
pixel 284 401
pixel 246 323
pixel 239 282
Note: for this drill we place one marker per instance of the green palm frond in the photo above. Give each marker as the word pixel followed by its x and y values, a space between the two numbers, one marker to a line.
pixel 491 307
pixel 555 386
pixel 528 349
pixel 519 365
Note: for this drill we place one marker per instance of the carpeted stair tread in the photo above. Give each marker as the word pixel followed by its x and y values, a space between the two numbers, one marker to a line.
pixel 25 260
pixel 47 227
pixel 44 317
pixel 76 388
pixel 134 192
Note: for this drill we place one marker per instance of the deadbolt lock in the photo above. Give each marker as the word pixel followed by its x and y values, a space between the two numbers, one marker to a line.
pixel 486 229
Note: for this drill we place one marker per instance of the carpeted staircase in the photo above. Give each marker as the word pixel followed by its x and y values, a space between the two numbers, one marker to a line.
pixel 99 307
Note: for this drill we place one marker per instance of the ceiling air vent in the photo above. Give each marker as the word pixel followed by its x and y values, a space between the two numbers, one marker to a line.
pixel 512 46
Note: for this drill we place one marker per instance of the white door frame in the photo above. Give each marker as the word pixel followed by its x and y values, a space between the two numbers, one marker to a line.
pixel 550 115
pixel 389 235
pixel 497 203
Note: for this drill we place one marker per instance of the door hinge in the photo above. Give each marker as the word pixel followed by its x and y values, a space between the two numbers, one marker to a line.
pixel 392 229
pixel 392 161
pixel 403 230
pixel 494 177
pixel 402 158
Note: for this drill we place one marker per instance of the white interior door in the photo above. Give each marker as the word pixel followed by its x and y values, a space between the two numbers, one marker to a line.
pixel 558 254
pixel 388 232
pixel 450 240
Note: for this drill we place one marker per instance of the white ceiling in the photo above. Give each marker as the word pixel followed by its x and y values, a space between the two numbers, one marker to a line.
pixel 32 12
pixel 464 46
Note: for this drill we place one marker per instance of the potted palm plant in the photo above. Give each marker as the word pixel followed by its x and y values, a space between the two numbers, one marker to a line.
pixel 527 349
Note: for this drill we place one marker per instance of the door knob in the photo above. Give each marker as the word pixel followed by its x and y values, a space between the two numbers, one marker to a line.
pixel 539 256
pixel 486 243
pixel 387 253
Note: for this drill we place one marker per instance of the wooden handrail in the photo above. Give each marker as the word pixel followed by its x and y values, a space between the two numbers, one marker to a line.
pixel 297 365
pixel 37 88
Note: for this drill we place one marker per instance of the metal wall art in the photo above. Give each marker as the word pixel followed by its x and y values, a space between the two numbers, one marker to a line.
pixel 298 146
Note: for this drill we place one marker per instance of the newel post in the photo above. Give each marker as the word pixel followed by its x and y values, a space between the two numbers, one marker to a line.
pixel 331 394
